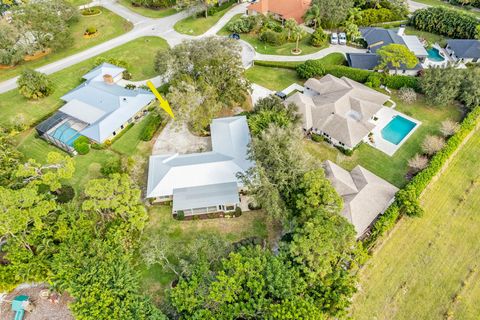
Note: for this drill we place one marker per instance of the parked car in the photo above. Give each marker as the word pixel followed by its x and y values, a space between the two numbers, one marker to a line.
pixel 342 38
pixel 334 38
pixel 234 36
pixel 281 95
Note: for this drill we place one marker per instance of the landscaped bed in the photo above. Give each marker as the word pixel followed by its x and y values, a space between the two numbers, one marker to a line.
pixel 108 24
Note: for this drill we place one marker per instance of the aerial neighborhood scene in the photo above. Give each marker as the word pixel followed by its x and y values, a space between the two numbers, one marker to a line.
pixel 231 159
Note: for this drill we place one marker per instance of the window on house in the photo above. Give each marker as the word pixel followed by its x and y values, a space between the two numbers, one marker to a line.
pixel 230 208
pixel 121 127
pixel 114 133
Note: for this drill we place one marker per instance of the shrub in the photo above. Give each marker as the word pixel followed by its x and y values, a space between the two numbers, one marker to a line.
pixel 90 11
pixel 238 212
pixel 243 25
pixel 310 69
pixel 445 21
pixel 432 144
pixel 91 30
pixel 374 80
pixel 407 95
pixel 358 75
pixel 153 123
pixel 112 166
pixel 319 38
pixel 277 64
pixel 409 200
pixel 180 215
pixel 369 17
pixel 154 3
pixel 34 85
pixel 117 62
pixel 272 37
pixel 82 145
pixel 448 128
pixel 347 152
pixel 317 137
pixel 417 163
pixel 65 194
pixel 126 75
pixel 398 81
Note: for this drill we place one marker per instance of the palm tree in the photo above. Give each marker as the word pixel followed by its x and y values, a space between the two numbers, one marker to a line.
pixel 297 34
pixel 313 15
pixel 290 24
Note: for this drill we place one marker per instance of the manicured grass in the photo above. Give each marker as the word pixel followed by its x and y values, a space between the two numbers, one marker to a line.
pixel 129 143
pixel 265 48
pixel 272 78
pixel 87 166
pixel 148 12
pixel 431 38
pixel 436 3
pixel 428 267
pixel 280 78
pixel 138 53
pixel 108 24
pixel 395 168
pixel 79 2
pixel 198 25
pixel 156 280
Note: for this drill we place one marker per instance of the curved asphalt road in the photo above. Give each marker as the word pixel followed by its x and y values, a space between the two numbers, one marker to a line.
pixel 163 27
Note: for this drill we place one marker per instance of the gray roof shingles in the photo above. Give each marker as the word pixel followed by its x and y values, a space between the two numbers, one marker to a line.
pixel 465 48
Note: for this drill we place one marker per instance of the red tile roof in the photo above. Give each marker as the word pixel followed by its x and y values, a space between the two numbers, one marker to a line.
pixel 285 8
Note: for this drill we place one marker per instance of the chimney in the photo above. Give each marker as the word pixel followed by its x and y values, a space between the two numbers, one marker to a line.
pixel 108 78
pixel 401 31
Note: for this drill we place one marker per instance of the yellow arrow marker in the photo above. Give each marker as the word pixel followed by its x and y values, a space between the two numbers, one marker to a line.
pixel 163 103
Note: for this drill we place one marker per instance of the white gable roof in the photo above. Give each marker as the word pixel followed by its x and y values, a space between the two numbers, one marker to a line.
pixel 230 139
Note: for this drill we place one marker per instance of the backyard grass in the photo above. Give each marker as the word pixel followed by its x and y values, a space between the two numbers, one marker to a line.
pixel 428 267
pixel 265 48
pixel 431 38
pixel 199 25
pixel 79 2
pixel 148 12
pixel 108 24
pixel 249 224
pixel 436 3
pixel 394 168
pixel 275 79
pixel 137 53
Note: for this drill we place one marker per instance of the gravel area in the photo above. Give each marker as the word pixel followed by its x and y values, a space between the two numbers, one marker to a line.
pixel 44 309
pixel 176 138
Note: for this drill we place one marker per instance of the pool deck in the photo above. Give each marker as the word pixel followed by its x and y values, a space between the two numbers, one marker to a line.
pixel 385 115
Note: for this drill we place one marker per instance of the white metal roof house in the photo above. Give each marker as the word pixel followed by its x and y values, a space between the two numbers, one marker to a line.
pixel 339 109
pixel 205 182
pixel 98 109
pixel 364 194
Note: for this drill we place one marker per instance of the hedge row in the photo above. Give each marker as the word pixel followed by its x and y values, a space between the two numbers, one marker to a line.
pixel 152 124
pixel 418 184
pixel 277 64
pixel 315 68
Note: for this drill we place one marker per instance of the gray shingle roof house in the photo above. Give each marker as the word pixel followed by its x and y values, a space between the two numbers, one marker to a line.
pixel 364 194
pixel 205 182
pixel 466 49
pixel 338 108
pixel 369 61
pixel 379 37
pixel 97 109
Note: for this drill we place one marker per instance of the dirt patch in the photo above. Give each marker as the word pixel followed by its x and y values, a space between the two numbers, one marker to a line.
pixel 176 138
pixel 44 308
pixel 37 55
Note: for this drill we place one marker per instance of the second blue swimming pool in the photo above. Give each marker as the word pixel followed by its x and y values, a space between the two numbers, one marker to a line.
pixel 397 129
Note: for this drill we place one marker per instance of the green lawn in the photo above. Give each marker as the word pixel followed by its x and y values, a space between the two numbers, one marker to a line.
pixel 275 79
pixel 108 24
pixel 280 78
pixel 265 48
pixel 79 2
pixel 437 3
pixel 156 280
pixel 138 53
pixel 198 25
pixel 148 12
pixel 395 168
pixel 428 267
pixel 431 38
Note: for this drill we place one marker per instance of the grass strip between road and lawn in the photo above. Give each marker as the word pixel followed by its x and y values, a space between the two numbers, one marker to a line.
pixel 108 24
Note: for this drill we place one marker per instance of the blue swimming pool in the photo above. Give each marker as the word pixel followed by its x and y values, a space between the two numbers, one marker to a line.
pixel 397 129
pixel 66 134
pixel 434 55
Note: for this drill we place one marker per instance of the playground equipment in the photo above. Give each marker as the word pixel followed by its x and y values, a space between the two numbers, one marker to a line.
pixel 20 304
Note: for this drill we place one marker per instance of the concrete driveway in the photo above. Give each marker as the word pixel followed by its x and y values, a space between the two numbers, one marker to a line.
pixel 259 92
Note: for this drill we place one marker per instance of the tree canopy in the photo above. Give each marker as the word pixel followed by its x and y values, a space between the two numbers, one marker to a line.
pixel 396 56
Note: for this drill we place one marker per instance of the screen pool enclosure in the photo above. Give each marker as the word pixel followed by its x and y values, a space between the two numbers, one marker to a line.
pixel 62 130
